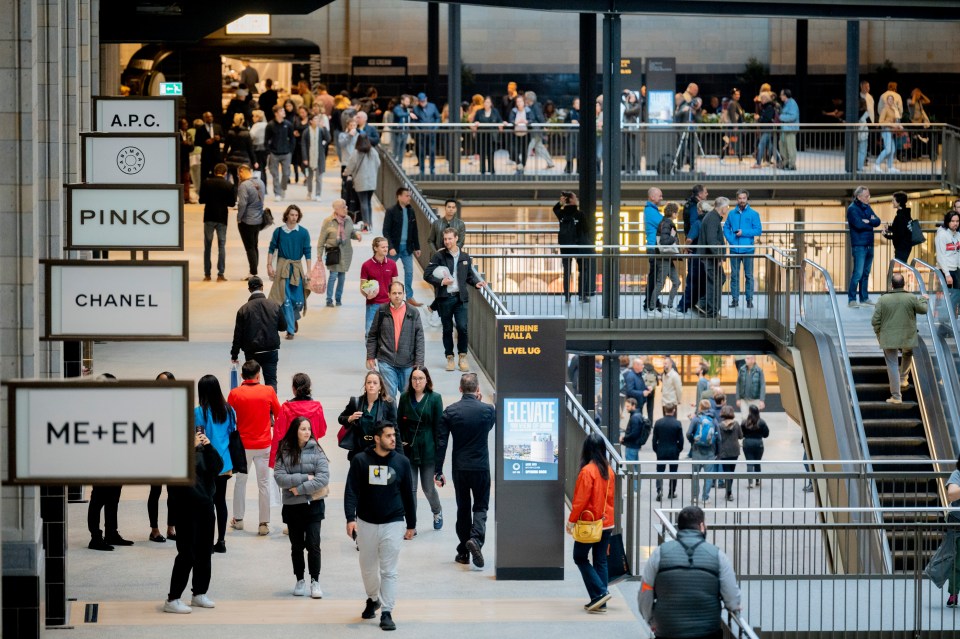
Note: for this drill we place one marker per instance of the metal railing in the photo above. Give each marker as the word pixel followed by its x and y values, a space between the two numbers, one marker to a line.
pixel 530 282
pixel 650 152
pixel 809 596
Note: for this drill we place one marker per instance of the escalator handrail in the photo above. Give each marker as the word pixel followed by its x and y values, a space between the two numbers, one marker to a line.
pixel 954 327
pixel 950 398
pixel 844 354
pixel 851 389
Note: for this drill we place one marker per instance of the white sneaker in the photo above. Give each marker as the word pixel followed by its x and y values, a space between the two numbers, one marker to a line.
pixel 878 168
pixel 202 601
pixel 893 169
pixel 315 591
pixel 177 607
pixel 300 590
pixel 434 319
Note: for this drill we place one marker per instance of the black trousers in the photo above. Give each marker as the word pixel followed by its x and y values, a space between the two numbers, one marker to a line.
pixel 106 498
pixel 712 284
pixel 194 546
pixel 649 403
pixel 471 486
pixel 651 300
pixel 268 365
pixel 249 233
pixel 673 469
pixel 303 527
pixel 220 504
pixel 153 506
pixel 693 286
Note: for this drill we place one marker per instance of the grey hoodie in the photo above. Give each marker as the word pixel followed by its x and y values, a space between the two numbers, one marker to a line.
pixel 730 436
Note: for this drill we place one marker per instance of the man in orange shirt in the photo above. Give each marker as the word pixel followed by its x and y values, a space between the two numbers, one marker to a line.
pixel 395 343
pixel 254 403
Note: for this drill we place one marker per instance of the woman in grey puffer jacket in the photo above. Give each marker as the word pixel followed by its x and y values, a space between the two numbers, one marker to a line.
pixel 303 474
pixel 730 436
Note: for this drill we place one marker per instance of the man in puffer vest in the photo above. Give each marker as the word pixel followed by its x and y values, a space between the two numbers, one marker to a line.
pixel 684 582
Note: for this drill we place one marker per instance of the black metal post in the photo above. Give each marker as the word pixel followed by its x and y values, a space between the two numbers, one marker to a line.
pixel 453 83
pixel 611 392
pixel 852 94
pixel 586 383
pixel 610 141
pixel 587 142
pixel 433 50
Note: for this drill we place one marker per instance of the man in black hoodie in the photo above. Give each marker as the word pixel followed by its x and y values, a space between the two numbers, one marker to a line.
pixel 377 499
pixel 257 331
pixel 470 422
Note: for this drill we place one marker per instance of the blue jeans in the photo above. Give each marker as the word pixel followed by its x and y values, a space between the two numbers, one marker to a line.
pixel 595 575
pixel 371 312
pixel 735 263
pixel 764 146
pixel 451 310
pixel 862 146
pixel 427 143
pixel 406 259
pixel 889 149
pixel 631 454
pixel 398 142
pixel 395 378
pixel 208 230
pixel 293 301
pixel 335 279
pixel 859 278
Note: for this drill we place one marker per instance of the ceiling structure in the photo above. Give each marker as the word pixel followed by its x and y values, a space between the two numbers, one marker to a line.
pixel 183 21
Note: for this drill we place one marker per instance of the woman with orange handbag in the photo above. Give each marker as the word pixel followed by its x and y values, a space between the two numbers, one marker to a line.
pixel 593 500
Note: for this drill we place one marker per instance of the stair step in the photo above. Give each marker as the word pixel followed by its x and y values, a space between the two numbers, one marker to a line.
pixel 897 445
pixel 884 405
pixel 899 424
pixel 904 500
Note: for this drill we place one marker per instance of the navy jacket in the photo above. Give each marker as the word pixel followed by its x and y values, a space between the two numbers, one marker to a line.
pixel 393 225
pixel 469 421
pixel 634 386
pixel 278 137
pixel 668 438
pixel 635 437
pixel 861 232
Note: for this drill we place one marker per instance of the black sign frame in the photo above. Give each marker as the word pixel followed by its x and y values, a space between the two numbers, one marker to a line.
pixel 14 384
pixel 70 188
pixel 109 337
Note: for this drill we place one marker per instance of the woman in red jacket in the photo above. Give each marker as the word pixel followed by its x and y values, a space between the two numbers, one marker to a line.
pixel 594 492
pixel 302 405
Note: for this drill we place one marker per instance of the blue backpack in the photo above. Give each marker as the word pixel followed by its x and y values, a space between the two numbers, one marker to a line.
pixel 705 432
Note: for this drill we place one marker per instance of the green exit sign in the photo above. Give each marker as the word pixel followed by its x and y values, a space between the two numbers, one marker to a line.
pixel 171 88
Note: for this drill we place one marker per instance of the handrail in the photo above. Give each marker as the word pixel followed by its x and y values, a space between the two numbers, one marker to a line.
pixel 746 630
pixel 647 126
pixel 590 427
pixel 848 374
pixel 954 326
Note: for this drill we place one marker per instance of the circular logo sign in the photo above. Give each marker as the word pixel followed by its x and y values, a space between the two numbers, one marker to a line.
pixel 130 160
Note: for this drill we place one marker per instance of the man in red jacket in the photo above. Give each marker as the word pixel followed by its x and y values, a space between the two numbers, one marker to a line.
pixel 254 404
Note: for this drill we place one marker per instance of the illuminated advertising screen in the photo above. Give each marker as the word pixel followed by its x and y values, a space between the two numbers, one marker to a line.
pixel 531 433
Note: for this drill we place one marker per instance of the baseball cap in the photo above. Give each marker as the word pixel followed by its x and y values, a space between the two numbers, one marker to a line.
pixel 422 96
pixel 254 283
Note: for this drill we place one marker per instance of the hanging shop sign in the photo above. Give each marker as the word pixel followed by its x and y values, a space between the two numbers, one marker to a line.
pixel 147 158
pixel 135 115
pixel 80 432
pixel 135 218
pixel 116 301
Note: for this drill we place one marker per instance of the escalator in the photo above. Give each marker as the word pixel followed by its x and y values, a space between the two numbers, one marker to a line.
pixel 896 433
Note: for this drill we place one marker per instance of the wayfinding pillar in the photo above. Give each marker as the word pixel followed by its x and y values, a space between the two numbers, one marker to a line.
pixel 531 368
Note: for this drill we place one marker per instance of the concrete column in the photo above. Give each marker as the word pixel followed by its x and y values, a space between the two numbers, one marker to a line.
pixel 46 69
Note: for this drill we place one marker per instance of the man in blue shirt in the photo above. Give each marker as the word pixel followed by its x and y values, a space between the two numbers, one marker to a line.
pixel 789 116
pixel 426 113
pixel 861 220
pixel 651 222
pixel 741 229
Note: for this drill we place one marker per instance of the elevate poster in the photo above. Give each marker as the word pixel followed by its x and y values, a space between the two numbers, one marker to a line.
pixel 531 434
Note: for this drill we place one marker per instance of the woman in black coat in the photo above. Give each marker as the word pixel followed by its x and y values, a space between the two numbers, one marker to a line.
pixel 194 519
pixel 367 411
pixel 899 231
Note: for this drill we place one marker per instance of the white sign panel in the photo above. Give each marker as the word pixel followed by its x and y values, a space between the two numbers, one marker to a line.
pixel 130 159
pixel 116 300
pixel 135 115
pixel 131 218
pixel 101 432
